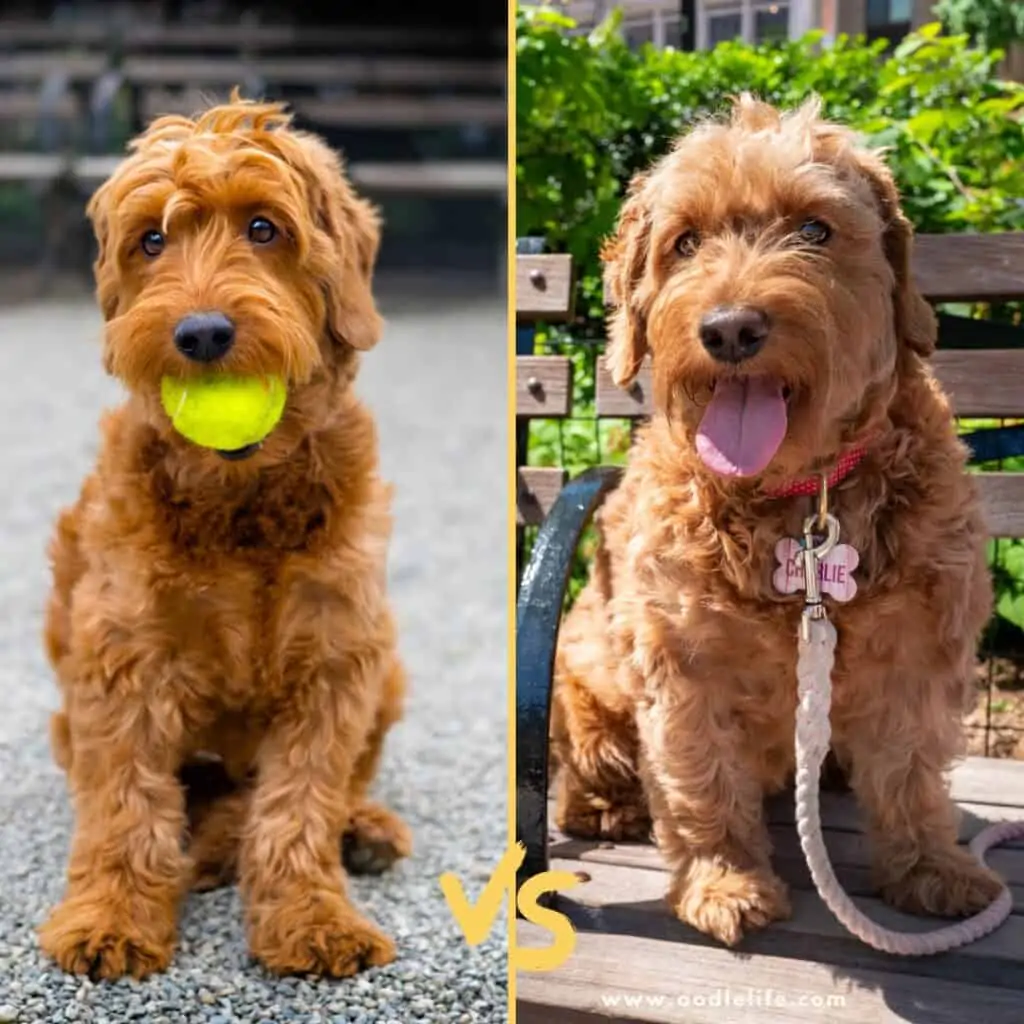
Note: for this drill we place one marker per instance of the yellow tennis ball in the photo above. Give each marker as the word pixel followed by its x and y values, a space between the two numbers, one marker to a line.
pixel 221 411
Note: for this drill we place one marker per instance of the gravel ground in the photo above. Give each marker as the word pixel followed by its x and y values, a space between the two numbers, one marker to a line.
pixel 437 384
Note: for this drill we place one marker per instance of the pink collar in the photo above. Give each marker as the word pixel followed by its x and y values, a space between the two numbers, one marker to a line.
pixel 810 485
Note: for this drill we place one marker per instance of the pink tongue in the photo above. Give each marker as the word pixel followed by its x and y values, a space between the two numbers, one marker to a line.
pixel 743 426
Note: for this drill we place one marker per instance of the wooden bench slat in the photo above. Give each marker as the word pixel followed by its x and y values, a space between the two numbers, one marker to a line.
pixel 641 896
pixel 543 386
pixel 659 981
pixel 34 67
pixel 537 491
pixel 18 32
pixel 382 111
pixel 634 402
pixel 1002 494
pixel 311 71
pixel 847 850
pixel 986 383
pixel 544 288
pixel 970 267
pixel 452 177
pixel 982 383
pixel 434 177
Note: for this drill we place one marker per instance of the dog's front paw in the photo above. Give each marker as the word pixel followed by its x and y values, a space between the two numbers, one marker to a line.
pixel 107 939
pixel 375 838
pixel 948 883
pixel 316 933
pixel 725 902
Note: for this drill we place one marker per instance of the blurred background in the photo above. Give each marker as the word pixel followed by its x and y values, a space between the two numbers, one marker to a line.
pixel 414 97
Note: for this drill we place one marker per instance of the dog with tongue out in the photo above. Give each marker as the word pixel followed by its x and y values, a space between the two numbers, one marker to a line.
pixel 763 270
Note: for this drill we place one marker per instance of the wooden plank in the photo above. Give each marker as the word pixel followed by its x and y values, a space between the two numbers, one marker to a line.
pixel 632 901
pixel 986 382
pixel 435 177
pixel 191 71
pixel 21 167
pixel 16 106
pixel 982 382
pixel 537 491
pixel 988 780
pixel 840 813
pixel 17 32
pixel 543 386
pixel 320 72
pixel 452 177
pixel 387 72
pixel 378 111
pixel 1003 497
pixel 544 288
pixel 628 978
pixel 34 67
pixel 634 402
pixel 849 853
pixel 970 268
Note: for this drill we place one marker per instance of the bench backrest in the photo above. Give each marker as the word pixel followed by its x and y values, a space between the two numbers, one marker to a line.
pixel 976 363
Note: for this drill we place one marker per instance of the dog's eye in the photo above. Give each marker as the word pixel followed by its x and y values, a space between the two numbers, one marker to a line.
pixel 152 243
pixel 261 231
pixel 687 243
pixel 814 232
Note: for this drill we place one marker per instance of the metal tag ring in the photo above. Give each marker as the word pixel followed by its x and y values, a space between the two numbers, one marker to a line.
pixel 831 537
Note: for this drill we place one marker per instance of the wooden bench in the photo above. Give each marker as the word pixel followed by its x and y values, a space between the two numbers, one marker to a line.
pixel 161 38
pixel 384 94
pixel 634 961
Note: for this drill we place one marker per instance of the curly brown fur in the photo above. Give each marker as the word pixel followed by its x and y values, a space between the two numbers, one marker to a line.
pixel 676 681
pixel 230 608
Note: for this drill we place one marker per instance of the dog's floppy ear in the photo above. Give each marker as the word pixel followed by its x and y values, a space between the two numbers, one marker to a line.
pixel 625 259
pixel 98 211
pixel 916 326
pixel 352 226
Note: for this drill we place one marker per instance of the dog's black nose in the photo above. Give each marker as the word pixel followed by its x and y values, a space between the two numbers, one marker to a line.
pixel 204 337
pixel 734 333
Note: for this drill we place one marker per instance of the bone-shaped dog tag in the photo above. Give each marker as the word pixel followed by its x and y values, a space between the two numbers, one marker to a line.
pixel 835 569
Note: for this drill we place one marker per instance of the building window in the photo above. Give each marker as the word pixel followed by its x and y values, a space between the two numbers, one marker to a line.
pixel 753 21
pixel 637 33
pixel 888 19
pixel 673 31
pixel 723 28
pixel 771 23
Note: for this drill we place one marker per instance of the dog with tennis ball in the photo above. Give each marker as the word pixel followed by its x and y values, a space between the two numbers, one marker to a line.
pixel 218 609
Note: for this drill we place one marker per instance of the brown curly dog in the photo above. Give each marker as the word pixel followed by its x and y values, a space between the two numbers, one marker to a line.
pixel 228 604
pixel 765 266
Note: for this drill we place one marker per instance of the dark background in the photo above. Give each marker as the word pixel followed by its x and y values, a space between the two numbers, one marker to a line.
pixel 446 60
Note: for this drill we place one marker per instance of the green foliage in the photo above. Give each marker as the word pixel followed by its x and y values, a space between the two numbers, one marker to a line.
pixel 591 113
pixel 991 23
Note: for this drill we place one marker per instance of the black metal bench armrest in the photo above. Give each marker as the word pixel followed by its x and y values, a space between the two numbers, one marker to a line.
pixel 538 614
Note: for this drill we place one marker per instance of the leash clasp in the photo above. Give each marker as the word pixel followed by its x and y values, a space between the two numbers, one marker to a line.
pixel 812 553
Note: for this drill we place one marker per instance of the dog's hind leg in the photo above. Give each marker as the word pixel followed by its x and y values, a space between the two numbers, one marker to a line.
pixel 67 566
pixel 598 794
pixel 217 807
pixel 375 836
pixel 594 741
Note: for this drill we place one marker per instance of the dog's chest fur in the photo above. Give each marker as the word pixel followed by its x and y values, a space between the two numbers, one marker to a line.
pixel 685 576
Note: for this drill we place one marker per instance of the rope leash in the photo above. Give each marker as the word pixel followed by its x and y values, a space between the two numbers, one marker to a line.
pixel 815 661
